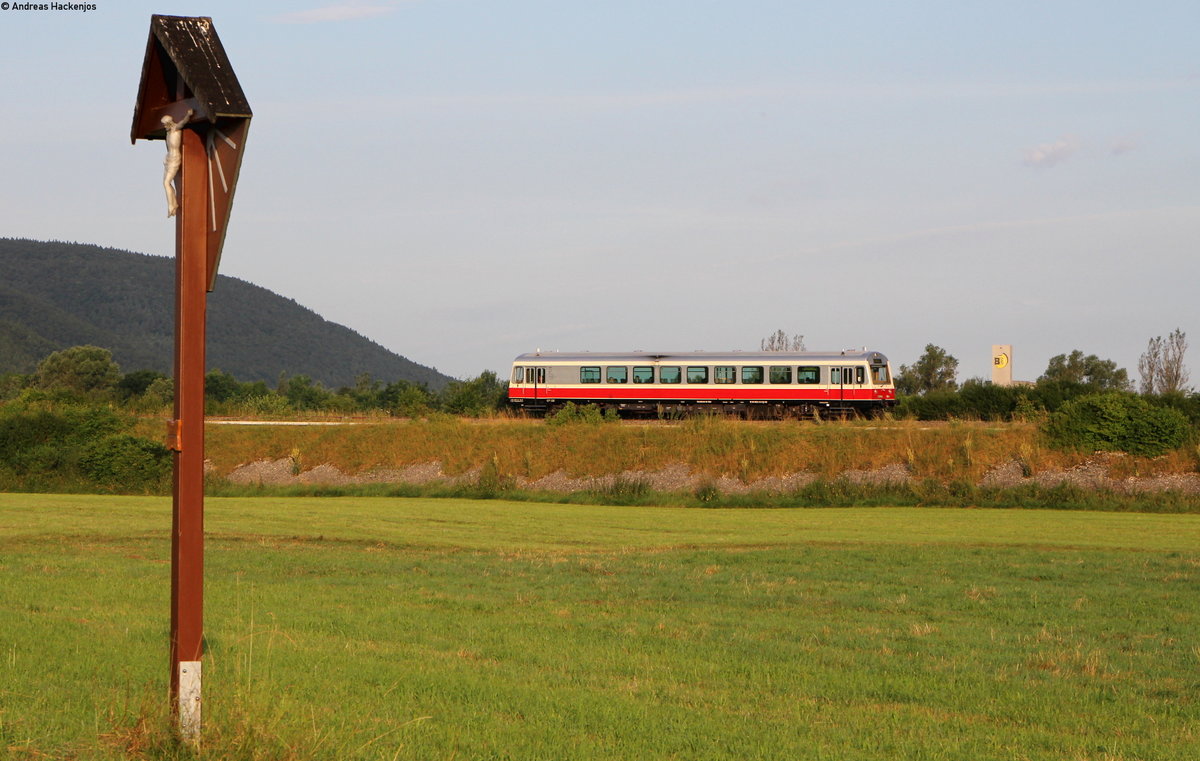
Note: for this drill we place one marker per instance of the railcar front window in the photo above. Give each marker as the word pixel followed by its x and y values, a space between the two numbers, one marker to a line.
pixel 781 374
pixel 752 374
pixel 669 375
pixel 697 375
pixel 808 374
pixel 643 375
pixel 589 374
pixel 881 374
pixel 618 375
pixel 724 374
pixel 518 374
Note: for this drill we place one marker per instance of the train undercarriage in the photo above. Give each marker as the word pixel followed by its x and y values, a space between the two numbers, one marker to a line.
pixel 750 410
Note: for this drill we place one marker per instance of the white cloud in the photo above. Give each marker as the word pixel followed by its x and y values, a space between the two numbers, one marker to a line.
pixel 340 12
pixel 1050 154
pixel 1122 146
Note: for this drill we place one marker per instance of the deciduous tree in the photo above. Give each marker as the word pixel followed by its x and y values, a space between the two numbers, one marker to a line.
pixel 1089 370
pixel 134 384
pixel 1161 366
pixel 935 370
pixel 779 341
pixel 477 396
pixel 302 393
pixel 83 369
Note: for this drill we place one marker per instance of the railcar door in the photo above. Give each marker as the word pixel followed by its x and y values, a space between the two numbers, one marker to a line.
pixel 535 378
pixel 847 381
pixel 837 382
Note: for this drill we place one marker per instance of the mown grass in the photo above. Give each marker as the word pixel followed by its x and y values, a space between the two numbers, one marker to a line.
pixel 435 629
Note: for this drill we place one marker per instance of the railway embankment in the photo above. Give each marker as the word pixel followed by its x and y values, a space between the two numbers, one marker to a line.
pixel 696 456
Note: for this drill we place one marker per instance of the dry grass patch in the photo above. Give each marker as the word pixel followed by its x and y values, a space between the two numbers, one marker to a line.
pixel 711 447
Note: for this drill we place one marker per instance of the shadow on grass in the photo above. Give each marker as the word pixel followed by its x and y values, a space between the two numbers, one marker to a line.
pixel 818 494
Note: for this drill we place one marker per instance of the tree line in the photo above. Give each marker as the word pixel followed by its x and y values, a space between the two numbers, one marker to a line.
pixel 89 374
pixel 1161 367
pixel 928 389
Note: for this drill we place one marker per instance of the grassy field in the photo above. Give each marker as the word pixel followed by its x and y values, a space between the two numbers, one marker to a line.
pixel 448 629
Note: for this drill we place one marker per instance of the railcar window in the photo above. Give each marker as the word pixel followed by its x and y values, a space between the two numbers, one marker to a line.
pixel 697 374
pixel 881 374
pixel 643 375
pixel 860 374
pixel 752 374
pixel 669 374
pixel 535 375
pixel 844 375
pixel 618 375
pixel 518 374
pixel 781 374
pixel 589 374
pixel 808 374
pixel 724 374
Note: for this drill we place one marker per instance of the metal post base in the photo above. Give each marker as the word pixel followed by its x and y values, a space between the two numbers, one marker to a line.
pixel 189 701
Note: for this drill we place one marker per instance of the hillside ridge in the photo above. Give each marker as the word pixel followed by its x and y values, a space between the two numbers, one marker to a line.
pixel 56 294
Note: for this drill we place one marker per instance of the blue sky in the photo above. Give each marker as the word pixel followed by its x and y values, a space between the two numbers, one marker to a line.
pixel 465 181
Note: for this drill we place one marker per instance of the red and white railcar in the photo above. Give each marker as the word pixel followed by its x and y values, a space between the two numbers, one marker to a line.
pixel 763 384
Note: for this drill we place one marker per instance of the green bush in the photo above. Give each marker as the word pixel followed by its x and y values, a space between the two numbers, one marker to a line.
pixel 478 396
pixel 88 422
pixel 934 405
pixel 1117 422
pixel 24 433
pixel 20 434
pixel 987 401
pixel 44 459
pixel 974 401
pixel 303 393
pixel 77 447
pixel 268 404
pixel 11 385
pixel 626 490
pixel 980 400
pixel 492 483
pixel 588 413
pixel 126 462
pixel 1187 403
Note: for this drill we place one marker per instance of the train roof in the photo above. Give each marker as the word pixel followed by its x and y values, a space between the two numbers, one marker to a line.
pixel 733 357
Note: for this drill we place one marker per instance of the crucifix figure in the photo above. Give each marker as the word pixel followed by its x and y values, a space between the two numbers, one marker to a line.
pixel 174 158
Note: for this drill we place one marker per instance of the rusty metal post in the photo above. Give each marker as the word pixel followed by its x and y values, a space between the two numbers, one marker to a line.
pixel 189 96
pixel 187 525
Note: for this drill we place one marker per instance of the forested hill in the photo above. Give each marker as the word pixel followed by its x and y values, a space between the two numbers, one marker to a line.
pixel 56 295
